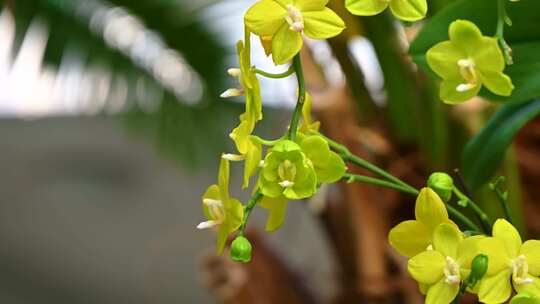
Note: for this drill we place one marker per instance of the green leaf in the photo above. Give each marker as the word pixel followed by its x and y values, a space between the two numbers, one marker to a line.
pixel 485 151
pixel 523 37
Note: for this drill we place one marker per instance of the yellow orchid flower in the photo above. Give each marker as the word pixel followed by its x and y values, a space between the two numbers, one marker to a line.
pixel 220 209
pixel 511 262
pixel 445 265
pixel 250 150
pixel 286 20
pixel 411 237
pixel 468 61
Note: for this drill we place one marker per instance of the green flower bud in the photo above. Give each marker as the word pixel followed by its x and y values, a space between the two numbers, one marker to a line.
pixel 479 268
pixel 241 250
pixel 442 184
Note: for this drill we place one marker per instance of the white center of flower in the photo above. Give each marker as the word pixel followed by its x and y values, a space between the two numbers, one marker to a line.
pixel 215 210
pixel 287 173
pixel 451 271
pixel 294 18
pixel 468 72
pixel 520 271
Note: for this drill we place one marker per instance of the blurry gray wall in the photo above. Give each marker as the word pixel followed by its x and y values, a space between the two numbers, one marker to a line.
pixel 89 214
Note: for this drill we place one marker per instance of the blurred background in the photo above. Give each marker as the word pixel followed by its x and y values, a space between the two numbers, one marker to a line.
pixel 111 128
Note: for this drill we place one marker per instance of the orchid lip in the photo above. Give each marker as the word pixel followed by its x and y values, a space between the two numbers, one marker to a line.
pixel 452 271
pixel 294 19
pixel 286 184
pixel 520 271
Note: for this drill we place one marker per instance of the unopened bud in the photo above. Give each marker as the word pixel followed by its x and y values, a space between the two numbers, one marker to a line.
pixel 231 93
pixel 479 268
pixel 241 250
pixel 442 184
pixel 234 72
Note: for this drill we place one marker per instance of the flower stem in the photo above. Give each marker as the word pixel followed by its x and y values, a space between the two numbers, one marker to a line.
pixel 297 64
pixel 499 34
pixel 378 182
pixel 288 72
pixel 257 195
pixel 456 214
pixel 482 216
pixel 348 156
pixel 502 197
pixel 393 182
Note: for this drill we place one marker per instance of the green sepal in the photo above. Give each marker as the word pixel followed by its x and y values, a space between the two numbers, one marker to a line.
pixel 277 208
pixel 253 158
pixel 328 165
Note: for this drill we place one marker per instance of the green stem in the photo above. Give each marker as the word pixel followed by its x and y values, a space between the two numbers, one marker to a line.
pixel 348 156
pixel 297 63
pixel 504 204
pixel 372 168
pixel 482 216
pixel 378 182
pixel 454 213
pixel 499 34
pixel 257 195
pixel 287 73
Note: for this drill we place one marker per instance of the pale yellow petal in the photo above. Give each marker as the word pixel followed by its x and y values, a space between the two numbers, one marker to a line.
pixel 427 267
pixel 468 249
pixel 497 82
pixel 212 192
pixel 409 238
pixel 222 237
pixel 532 288
pixel 446 240
pixel 507 233
pixel 310 5
pixel 531 251
pixel 449 94
pixel 442 58
pixel 234 212
pixel 223 179
pixel 499 260
pixel 366 7
pixel 430 209
pixel 322 24
pixel 277 208
pixel 495 289
pixel 409 10
pixel 442 293
pixel 286 43
pixel 265 17
pixel 466 36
